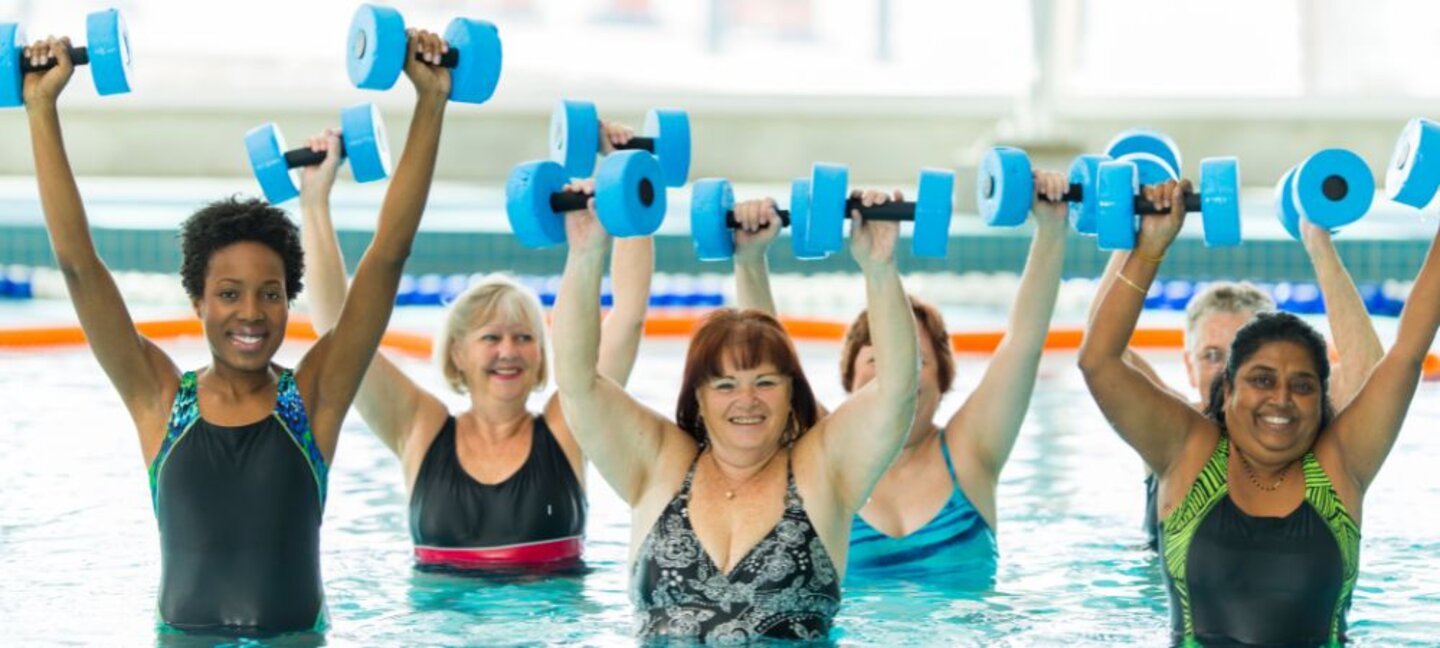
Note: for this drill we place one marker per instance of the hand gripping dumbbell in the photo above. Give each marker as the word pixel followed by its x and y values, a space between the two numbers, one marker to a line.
pixel 712 217
pixel 828 204
pixel 107 52
pixel 575 139
pixel 362 141
pixel 629 198
pixel 1005 188
pixel 377 46
pixel 1331 189
pixel 1119 206
pixel 1414 174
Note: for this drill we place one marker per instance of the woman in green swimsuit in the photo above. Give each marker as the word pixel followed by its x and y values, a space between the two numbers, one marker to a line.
pixel 1260 496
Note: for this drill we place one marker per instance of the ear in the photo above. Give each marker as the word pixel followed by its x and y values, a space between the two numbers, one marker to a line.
pixel 1190 372
pixel 195 304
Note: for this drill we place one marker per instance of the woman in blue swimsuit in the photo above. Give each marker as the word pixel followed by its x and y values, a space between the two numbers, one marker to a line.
pixel 933 511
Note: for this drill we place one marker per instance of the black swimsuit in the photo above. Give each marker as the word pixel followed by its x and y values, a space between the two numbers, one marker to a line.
pixel 1238 579
pixel 786 587
pixel 536 516
pixel 239 513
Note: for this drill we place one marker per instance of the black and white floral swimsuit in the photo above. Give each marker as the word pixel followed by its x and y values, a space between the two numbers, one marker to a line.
pixel 785 588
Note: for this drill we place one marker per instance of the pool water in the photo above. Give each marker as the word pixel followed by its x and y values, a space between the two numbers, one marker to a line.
pixel 79 557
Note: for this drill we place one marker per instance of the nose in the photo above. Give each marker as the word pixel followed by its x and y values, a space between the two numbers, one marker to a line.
pixel 250 309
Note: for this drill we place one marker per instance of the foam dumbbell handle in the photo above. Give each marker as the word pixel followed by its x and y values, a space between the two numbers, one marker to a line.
pixel 895 210
pixel 450 59
pixel 731 223
pixel 646 144
pixel 78 56
pixel 1075 193
pixel 1143 206
pixel 569 201
pixel 302 157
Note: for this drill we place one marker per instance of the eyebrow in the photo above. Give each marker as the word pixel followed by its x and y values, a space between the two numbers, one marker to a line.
pixel 1269 369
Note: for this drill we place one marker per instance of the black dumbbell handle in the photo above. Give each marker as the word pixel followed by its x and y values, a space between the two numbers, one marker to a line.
pixel 646 144
pixel 78 56
pixel 1075 193
pixel 450 59
pixel 305 157
pixel 1143 206
pixel 731 223
pixel 898 210
pixel 569 201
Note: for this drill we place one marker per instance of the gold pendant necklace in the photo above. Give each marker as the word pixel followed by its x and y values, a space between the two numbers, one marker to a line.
pixel 730 492
pixel 1250 472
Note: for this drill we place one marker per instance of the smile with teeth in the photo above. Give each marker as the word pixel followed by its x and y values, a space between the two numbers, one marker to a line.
pixel 1276 421
pixel 747 420
pixel 248 341
pixel 506 373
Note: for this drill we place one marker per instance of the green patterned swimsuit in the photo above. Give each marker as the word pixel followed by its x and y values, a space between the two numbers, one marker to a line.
pixel 1236 579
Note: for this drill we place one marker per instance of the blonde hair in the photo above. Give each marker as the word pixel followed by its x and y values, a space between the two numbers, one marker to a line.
pixel 495 297
pixel 1243 298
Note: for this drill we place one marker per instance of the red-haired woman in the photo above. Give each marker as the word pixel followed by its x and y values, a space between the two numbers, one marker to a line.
pixel 741 506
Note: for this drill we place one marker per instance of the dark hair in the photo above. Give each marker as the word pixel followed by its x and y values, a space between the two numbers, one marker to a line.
pixel 748 338
pixel 1263 329
pixel 233 220
pixel 858 335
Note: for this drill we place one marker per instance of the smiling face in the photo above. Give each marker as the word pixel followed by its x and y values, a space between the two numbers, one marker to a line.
pixel 746 409
pixel 1273 409
pixel 244 307
pixel 500 358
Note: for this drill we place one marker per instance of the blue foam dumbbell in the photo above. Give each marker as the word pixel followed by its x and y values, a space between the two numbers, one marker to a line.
pixel 629 198
pixel 375 53
pixel 1331 189
pixel 1151 143
pixel 1120 206
pixel 1005 189
pixel 575 139
pixel 1413 177
pixel 362 142
pixel 107 52
pixel 827 205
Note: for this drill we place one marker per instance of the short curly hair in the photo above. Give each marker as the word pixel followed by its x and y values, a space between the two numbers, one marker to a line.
pixel 232 220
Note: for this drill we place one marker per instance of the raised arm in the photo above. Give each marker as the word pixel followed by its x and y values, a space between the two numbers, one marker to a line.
pixel 1350 324
pixel 759 225
pixel 140 371
pixel 1366 430
pixel 388 400
pixel 861 438
pixel 1146 415
pixel 987 424
pixel 1107 279
pixel 631 265
pixel 335 365
pixel 622 437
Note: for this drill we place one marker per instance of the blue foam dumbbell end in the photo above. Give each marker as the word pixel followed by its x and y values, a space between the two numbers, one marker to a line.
pixel 629 194
pixel 1083 213
pixel 1414 173
pixel 1220 201
pixel 477 73
pixel 1333 188
pixel 670 129
pixel 527 203
pixel 1005 187
pixel 575 136
pixel 710 200
pixel 934 204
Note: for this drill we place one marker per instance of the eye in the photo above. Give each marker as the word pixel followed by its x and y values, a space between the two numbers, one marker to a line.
pixel 1304 387
pixel 525 337
pixel 1263 380
pixel 274 295
pixel 490 337
pixel 228 294
pixel 1213 356
pixel 723 385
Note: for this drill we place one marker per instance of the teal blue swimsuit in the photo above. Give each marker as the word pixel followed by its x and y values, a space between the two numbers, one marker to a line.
pixel 958 544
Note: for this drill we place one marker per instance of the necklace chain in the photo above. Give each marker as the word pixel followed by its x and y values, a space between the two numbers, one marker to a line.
pixel 730 492
pixel 1250 472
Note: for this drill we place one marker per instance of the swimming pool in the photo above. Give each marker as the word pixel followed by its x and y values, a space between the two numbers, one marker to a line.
pixel 80 561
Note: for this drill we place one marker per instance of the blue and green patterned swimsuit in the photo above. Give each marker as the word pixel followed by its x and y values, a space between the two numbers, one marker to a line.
pixel 1236 579
pixel 239 512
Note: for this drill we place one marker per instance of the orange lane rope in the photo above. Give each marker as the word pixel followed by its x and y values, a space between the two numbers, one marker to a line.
pixel 666 325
